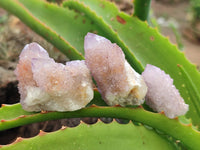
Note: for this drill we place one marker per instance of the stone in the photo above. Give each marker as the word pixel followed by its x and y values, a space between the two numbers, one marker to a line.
pixel 162 95
pixel 117 81
pixel 45 85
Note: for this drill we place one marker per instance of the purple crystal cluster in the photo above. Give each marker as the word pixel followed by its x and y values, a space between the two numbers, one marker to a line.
pixel 162 95
pixel 117 82
pixel 47 85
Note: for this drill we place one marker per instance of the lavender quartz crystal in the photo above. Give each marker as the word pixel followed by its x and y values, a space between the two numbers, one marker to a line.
pixel 50 86
pixel 117 82
pixel 162 95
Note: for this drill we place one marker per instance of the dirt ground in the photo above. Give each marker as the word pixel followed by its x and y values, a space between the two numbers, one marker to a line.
pixel 14 35
pixel 180 13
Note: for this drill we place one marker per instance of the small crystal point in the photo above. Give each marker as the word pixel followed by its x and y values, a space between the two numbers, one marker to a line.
pixel 162 95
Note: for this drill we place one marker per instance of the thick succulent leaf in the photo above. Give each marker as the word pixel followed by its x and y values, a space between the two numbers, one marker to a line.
pixel 147 51
pixel 136 38
pixel 107 136
pixel 172 127
pixel 148 46
pixel 62 27
pixel 9 112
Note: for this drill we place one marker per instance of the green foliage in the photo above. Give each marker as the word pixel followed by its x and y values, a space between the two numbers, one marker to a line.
pixel 141 9
pixel 65 27
pixel 196 9
pixel 154 48
pixel 98 136
pixel 180 129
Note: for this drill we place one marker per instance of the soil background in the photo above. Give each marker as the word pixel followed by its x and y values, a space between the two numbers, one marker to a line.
pixel 14 35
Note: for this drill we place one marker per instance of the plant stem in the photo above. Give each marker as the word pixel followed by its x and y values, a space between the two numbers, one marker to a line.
pixel 141 9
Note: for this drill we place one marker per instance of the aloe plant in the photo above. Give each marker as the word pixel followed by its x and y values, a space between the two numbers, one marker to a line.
pixel 65 27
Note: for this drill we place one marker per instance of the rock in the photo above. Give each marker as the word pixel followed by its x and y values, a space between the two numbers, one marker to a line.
pixel 162 95
pixel 118 83
pixel 50 86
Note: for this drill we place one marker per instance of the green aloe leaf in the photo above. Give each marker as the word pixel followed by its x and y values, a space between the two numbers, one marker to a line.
pixel 66 30
pixel 172 127
pixel 148 46
pixel 106 137
pixel 62 27
pixel 135 37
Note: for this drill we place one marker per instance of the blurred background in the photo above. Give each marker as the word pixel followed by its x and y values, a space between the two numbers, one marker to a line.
pixel 179 20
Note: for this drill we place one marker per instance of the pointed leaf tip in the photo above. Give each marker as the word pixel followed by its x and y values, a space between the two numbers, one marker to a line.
pixel 19 139
pixel 3 105
pixel 162 113
pixel 140 106
pixel 93 105
pixel 22 116
pixel 63 128
pixel 41 133
pixel 176 118
pixel 95 89
pixel 44 112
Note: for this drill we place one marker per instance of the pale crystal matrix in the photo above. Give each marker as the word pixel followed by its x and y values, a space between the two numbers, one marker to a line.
pixel 117 82
pixel 162 95
pixel 50 86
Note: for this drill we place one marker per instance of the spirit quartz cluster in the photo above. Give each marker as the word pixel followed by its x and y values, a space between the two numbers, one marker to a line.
pixel 50 86
pixel 47 85
pixel 162 95
pixel 116 80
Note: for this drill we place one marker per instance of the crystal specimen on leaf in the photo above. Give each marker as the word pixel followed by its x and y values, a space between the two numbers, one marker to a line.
pixel 116 80
pixel 47 85
pixel 162 95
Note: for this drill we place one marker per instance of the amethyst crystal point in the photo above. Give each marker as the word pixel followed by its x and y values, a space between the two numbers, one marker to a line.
pixel 23 70
pixel 162 95
pixel 47 85
pixel 116 80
